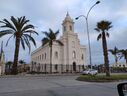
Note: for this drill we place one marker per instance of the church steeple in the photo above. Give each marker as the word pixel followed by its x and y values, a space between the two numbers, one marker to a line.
pixel 68 24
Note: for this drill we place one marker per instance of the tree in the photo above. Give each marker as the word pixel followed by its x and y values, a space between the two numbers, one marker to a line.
pixel 115 52
pixel 49 39
pixel 123 53
pixel 102 27
pixel 22 62
pixel 21 31
pixel 8 67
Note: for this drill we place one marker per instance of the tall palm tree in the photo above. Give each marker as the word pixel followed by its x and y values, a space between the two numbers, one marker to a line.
pixel 102 27
pixel 123 54
pixel 49 39
pixel 115 52
pixel 21 31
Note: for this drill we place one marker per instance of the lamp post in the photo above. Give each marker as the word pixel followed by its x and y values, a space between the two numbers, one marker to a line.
pixel 87 29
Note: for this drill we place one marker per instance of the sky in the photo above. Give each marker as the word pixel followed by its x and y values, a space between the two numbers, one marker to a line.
pixel 45 14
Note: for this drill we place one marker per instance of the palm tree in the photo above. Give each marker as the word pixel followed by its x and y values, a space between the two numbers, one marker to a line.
pixel 49 39
pixel 21 31
pixel 115 52
pixel 123 54
pixel 102 28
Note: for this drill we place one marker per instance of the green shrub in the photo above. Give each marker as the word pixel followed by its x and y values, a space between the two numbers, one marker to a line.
pixel 102 78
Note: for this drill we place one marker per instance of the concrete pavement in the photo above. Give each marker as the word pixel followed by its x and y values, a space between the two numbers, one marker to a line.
pixel 54 86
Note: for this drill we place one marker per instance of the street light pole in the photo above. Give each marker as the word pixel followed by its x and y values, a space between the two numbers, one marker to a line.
pixel 87 29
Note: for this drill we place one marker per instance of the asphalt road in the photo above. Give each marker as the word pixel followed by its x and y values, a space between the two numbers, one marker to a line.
pixel 53 86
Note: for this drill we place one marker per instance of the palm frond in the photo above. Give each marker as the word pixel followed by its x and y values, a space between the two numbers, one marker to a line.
pixel 25 28
pixel 56 33
pixel 59 42
pixel 98 30
pixel 111 51
pixel 5 32
pixel 22 43
pixel 7 24
pixel 99 37
pixel 107 34
pixel 8 39
pixel 46 34
pixel 45 41
pixel 15 22
pixel 30 38
pixel 31 32
pixel 104 25
pixel 26 40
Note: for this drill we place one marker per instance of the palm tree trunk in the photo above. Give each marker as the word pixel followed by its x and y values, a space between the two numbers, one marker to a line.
pixel 104 43
pixel 126 59
pixel 116 60
pixel 51 58
pixel 14 67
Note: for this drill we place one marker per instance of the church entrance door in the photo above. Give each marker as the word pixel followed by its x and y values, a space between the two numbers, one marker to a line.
pixel 74 66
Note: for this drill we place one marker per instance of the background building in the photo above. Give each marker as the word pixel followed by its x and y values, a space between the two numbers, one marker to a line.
pixel 71 57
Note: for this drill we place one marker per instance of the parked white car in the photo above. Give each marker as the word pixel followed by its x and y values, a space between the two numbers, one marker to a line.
pixel 90 72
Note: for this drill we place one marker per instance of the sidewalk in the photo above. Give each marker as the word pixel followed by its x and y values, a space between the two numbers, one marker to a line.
pixel 39 75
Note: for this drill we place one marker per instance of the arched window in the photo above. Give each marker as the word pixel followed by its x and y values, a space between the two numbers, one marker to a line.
pixel 45 55
pixel 56 67
pixel 74 54
pixel 70 27
pixel 64 28
pixel 56 55
pixel 82 57
pixel 38 58
pixel 42 56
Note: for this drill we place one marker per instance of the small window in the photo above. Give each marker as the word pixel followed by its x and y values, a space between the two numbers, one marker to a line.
pixel 74 54
pixel 56 55
pixel 82 57
pixel 64 28
pixel 45 55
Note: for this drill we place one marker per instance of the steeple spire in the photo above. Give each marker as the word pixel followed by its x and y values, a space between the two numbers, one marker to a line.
pixel 67 14
pixel 68 18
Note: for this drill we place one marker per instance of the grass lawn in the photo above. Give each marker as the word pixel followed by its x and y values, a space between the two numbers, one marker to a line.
pixel 102 78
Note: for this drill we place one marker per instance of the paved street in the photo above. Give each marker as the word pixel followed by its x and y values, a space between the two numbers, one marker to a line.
pixel 53 86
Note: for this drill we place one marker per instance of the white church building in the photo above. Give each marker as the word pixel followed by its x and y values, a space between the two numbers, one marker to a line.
pixel 71 57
